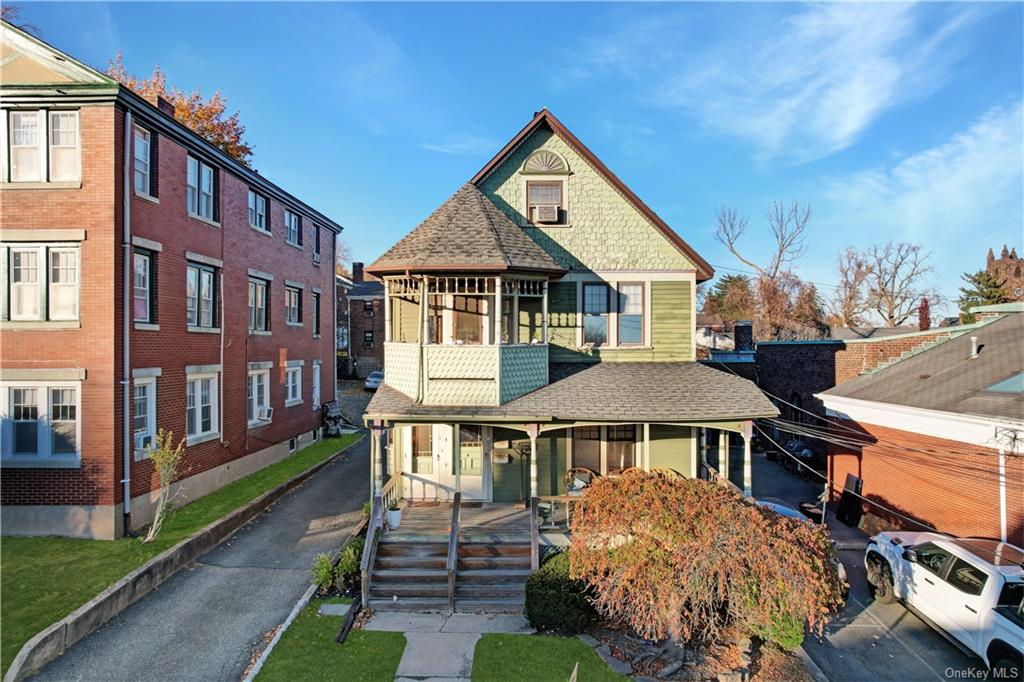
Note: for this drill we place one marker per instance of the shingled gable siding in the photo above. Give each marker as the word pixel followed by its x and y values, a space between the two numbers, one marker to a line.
pixel 605 231
pixel 671 326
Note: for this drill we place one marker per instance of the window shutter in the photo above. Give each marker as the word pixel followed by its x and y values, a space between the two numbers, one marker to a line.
pixel 300 229
pixel 154 164
pixel 216 194
pixel 266 209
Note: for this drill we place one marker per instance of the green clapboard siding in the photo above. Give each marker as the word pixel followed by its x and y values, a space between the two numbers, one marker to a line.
pixel 511 481
pixel 672 448
pixel 671 326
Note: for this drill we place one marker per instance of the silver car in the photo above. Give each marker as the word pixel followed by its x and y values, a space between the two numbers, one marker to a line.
pixel 373 381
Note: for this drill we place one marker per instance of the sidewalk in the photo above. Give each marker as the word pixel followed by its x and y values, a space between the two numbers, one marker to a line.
pixel 439 646
pixel 204 622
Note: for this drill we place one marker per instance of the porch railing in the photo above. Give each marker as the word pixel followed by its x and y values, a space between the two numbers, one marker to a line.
pixel 715 477
pixel 453 548
pixel 390 492
pixel 534 533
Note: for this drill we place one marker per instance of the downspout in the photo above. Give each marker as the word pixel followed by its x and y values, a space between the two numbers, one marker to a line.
pixel 1002 494
pixel 126 329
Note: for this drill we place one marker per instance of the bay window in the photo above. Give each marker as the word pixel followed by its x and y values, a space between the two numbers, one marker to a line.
pixel 595 314
pixel 631 314
pixel 200 296
pixel 201 407
pixel 40 423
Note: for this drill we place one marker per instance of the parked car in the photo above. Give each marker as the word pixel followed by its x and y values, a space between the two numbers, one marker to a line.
pixel 801 452
pixel 783 508
pixel 970 589
pixel 373 380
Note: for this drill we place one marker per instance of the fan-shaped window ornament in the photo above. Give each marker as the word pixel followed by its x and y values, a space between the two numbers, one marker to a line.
pixel 545 162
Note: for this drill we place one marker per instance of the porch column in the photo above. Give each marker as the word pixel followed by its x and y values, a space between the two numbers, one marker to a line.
pixel 748 428
pixel 703 433
pixel 377 456
pixel 646 450
pixel 723 453
pixel 533 430
pixel 457 456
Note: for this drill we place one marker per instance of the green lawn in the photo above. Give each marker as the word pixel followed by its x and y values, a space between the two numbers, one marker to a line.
pixel 44 579
pixel 307 651
pixel 537 657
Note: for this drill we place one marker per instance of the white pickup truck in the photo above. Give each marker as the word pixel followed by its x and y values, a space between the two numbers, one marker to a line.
pixel 971 589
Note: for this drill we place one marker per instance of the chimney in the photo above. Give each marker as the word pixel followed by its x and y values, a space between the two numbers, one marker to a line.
pixel 974 348
pixel 160 103
pixel 357 272
pixel 743 335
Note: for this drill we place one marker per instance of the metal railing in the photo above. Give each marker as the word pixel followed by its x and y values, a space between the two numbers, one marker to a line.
pixel 534 533
pixel 453 548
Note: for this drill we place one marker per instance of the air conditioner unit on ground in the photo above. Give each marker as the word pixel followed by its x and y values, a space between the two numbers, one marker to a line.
pixel 143 441
pixel 265 414
pixel 545 214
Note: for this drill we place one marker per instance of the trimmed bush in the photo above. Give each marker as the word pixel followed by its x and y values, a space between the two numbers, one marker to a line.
pixel 556 602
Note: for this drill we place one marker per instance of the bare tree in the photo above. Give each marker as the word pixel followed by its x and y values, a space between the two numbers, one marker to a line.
pixel 895 282
pixel 850 302
pixel 12 15
pixel 788 224
pixel 342 256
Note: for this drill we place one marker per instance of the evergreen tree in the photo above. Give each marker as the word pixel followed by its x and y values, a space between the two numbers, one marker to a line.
pixel 731 298
pixel 983 288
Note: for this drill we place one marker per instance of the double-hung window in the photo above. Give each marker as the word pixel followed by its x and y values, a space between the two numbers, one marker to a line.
pixel 144 415
pixel 293 386
pixel 595 314
pixel 143 294
pixel 201 189
pixel 258 212
pixel 316 243
pixel 143 158
pixel 42 281
pixel 292 228
pixel 631 314
pixel 200 406
pixel 316 314
pixel 43 146
pixel 200 296
pixel 40 422
pixel 368 339
pixel 258 318
pixel 292 305
pixel 315 391
pixel 258 397
pixel 367 308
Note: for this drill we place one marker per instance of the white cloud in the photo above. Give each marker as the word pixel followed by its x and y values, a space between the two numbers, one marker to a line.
pixel 797 88
pixel 969 186
pixel 465 145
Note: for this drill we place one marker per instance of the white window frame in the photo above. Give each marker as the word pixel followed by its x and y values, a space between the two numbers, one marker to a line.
pixel 293 313
pixel 45 456
pixel 316 244
pixel 315 392
pixel 76 173
pixel 41 144
pixel 293 380
pixel 150 385
pixel 43 281
pixel 255 286
pixel 200 186
pixel 257 212
pixel 292 227
pixel 147 257
pixel 76 286
pixel 194 314
pixel 142 138
pixel 315 305
pixel 262 376
pixel 200 436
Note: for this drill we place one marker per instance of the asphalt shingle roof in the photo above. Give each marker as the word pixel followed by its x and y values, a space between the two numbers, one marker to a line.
pixel 945 378
pixel 369 288
pixel 612 391
pixel 466 232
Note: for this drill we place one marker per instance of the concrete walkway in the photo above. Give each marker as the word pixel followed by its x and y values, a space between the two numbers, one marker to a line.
pixel 204 622
pixel 440 647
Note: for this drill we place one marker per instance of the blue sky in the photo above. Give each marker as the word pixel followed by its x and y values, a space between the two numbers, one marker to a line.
pixel 895 121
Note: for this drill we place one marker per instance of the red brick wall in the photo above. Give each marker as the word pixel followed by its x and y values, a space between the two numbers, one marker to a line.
pixel 951 486
pixel 91 346
pixel 173 347
pixel 856 358
pixel 367 359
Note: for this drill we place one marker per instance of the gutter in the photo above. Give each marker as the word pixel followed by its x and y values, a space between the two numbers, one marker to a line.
pixel 126 323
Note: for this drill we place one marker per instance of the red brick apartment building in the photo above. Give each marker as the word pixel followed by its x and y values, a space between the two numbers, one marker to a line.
pixel 148 281
pixel 366 323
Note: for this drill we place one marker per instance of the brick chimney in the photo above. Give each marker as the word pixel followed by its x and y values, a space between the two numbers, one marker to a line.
pixel 743 335
pixel 160 103
pixel 357 272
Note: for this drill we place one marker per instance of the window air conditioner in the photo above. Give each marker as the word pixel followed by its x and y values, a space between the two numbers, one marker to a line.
pixel 316 257
pixel 143 441
pixel 545 214
pixel 265 414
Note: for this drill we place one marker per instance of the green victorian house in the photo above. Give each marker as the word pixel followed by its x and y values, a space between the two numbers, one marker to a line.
pixel 539 333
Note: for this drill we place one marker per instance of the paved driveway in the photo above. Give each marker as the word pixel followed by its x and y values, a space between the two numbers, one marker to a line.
pixel 867 641
pixel 203 623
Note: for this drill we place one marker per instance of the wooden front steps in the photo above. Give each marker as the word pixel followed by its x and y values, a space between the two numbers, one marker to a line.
pixel 410 573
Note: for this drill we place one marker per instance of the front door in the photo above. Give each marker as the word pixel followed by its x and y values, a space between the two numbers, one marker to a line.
pixel 466 472
pixel 430 461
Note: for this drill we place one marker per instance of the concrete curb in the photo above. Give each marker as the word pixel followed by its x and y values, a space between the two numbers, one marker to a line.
pixel 817 673
pixel 297 609
pixel 52 642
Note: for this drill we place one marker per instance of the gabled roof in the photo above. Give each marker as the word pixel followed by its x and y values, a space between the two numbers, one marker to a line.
pixel 368 289
pixel 467 232
pixel 945 378
pixel 546 118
